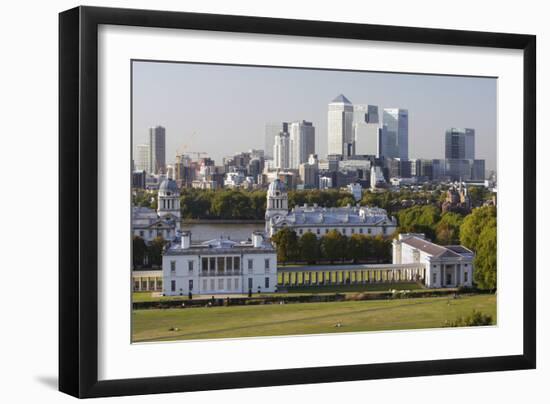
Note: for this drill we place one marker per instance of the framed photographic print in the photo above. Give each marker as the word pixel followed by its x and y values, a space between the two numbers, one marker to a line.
pixel 251 201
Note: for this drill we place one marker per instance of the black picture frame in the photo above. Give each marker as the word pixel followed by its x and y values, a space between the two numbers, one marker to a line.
pixel 78 206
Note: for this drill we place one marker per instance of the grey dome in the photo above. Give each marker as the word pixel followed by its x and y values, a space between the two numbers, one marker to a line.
pixel 168 185
pixel 277 185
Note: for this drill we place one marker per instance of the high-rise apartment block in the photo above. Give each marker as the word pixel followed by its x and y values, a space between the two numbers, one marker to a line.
pixel 301 142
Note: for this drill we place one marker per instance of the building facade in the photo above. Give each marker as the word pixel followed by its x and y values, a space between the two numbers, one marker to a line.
pixel 219 266
pixel 319 221
pixel 281 151
pixel 157 150
pixel 445 266
pixel 301 142
pixel 272 129
pixel 365 129
pixel 460 143
pixel 141 159
pixel 340 127
pixel 394 134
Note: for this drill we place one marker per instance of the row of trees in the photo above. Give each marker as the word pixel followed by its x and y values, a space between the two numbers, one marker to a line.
pixel 331 247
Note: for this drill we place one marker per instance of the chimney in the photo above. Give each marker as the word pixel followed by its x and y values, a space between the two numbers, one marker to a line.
pixel 185 239
pixel 257 239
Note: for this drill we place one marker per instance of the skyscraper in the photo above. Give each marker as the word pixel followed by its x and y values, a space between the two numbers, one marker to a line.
pixel 272 129
pixel 157 150
pixel 301 142
pixel 340 127
pixel 365 129
pixel 393 139
pixel 141 159
pixel 281 150
pixel 460 143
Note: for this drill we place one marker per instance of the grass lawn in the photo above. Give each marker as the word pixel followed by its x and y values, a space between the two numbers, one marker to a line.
pixel 304 318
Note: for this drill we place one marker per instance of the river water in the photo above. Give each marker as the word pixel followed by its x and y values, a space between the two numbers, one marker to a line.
pixel 233 231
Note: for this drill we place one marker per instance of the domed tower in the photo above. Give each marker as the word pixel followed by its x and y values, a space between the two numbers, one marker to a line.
pixel 277 202
pixel 169 201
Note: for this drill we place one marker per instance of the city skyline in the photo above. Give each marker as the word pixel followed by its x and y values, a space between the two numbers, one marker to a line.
pixel 199 104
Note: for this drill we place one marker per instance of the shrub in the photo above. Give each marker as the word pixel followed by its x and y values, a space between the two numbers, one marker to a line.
pixel 473 320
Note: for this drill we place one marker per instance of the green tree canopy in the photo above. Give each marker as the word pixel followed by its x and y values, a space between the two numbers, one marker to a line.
pixel 286 242
pixel 419 219
pixel 139 250
pixel 447 231
pixel 333 246
pixel 474 223
pixel 155 250
pixel 309 247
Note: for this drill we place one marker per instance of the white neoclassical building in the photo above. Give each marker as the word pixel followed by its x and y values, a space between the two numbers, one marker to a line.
pixel 219 266
pixel 164 222
pixel 319 221
pixel 445 266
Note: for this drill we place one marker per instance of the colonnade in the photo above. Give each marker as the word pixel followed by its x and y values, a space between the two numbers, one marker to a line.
pixel 304 276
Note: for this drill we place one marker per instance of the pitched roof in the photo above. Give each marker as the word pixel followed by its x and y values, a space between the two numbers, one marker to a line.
pixel 341 98
pixel 436 250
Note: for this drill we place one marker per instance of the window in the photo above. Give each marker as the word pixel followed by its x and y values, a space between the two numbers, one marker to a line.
pixel 369 230
pixel 141 233
pixel 220 283
pixel 465 276
pixel 301 231
pixel 173 286
pixel 384 230
pixel 172 266
pixel 361 230
pixel 190 266
pixel 159 284
pixel 136 285
pixel 229 263
pixel 190 285
pixel 143 284
pixel 318 231
pixel 236 283
pixel 205 264
pixel 266 263
pixel 204 284
pixel 250 266
pixel 212 264
pixel 237 263
pixel 212 284
pixel 343 231
pixel 352 231
pixel 448 279
pixel 150 233
pixel 229 284
pixel 326 231
pixel 267 282
pixel 434 278
pixel 250 283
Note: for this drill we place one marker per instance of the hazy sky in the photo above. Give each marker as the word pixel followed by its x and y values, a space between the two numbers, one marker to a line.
pixel 223 110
